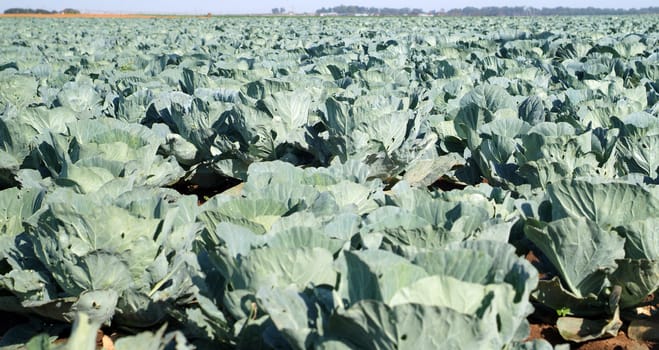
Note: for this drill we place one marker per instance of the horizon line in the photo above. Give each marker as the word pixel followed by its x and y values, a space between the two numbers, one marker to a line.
pixel 292 12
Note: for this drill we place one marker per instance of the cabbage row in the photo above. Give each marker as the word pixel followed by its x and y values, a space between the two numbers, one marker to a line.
pixel 393 171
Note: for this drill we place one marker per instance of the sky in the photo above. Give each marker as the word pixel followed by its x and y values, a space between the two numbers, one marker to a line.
pixel 299 6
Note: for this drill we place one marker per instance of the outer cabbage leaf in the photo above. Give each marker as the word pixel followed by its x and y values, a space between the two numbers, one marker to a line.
pixel 582 252
pixel 488 263
pixel 638 145
pixel 642 238
pixel 638 279
pixel 374 325
pixel 279 267
pixel 607 204
pixel 375 275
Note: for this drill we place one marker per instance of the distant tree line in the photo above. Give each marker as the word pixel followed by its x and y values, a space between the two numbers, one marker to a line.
pixel 546 11
pixel 13 11
pixel 344 10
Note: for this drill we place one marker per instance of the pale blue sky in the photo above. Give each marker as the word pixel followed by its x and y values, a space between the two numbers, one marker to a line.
pixel 264 6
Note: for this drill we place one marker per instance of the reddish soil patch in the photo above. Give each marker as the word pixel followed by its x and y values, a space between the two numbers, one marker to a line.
pixel 79 15
pixel 533 258
pixel 549 333
pixel 619 342
pixel 88 15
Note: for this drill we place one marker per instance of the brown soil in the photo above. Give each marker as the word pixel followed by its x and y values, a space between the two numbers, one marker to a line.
pixel 546 332
pixel 533 258
pixel 549 333
pixel 619 342
pixel 87 15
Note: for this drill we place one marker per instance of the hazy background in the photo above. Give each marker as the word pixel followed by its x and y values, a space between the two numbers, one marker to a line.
pixel 299 6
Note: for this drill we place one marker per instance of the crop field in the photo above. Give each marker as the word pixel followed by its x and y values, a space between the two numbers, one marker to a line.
pixel 329 183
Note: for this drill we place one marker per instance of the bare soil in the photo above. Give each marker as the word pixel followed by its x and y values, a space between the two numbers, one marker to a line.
pixel 619 342
pixel 89 15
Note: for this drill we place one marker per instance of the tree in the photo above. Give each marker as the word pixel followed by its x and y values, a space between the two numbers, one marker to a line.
pixel 275 11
